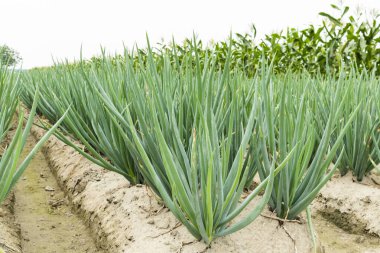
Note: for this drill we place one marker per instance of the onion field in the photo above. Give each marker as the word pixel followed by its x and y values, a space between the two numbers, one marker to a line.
pixel 220 148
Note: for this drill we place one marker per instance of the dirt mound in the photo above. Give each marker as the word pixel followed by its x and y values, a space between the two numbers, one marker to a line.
pixel 352 206
pixel 9 230
pixel 10 241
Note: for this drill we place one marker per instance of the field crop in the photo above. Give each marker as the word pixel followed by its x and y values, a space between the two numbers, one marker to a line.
pixel 198 135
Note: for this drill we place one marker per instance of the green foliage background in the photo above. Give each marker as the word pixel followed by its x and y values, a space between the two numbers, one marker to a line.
pixel 341 40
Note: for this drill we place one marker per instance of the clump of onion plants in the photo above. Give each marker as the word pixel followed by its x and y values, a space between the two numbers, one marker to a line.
pixel 376 130
pixel 9 90
pixel 361 139
pixel 63 86
pixel 289 122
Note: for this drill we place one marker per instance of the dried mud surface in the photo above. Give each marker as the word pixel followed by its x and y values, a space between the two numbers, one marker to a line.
pixel 346 215
pixel 337 240
pixel 352 206
pixel 9 231
pixel 127 218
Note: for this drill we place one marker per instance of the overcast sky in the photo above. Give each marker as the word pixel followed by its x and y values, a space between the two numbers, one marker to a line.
pixel 44 29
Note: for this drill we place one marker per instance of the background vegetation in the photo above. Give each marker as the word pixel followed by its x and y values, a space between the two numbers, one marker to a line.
pixel 341 40
pixel 9 56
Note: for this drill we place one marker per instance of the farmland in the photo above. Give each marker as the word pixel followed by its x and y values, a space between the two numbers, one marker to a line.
pixel 186 148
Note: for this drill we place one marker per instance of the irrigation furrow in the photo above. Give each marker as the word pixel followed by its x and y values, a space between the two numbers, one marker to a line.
pixel 46 220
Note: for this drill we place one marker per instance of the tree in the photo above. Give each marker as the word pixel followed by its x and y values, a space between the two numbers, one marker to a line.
pixel 9 56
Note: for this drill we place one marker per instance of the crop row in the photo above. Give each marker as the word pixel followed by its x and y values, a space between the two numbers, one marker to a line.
pixel 11 168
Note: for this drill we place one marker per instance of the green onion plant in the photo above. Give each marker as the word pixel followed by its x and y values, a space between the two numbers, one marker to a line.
pixel 288 122
pixel 10 167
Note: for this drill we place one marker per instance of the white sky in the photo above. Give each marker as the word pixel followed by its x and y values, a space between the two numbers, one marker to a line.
pixel 44 29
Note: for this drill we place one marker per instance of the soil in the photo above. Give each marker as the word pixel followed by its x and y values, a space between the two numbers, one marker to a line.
pixel 9 231
pixel 337 240
pixel 47 224
pixel 352 206
pixel 346 214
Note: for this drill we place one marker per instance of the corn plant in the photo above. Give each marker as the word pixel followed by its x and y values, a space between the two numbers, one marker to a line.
pixel 321 48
